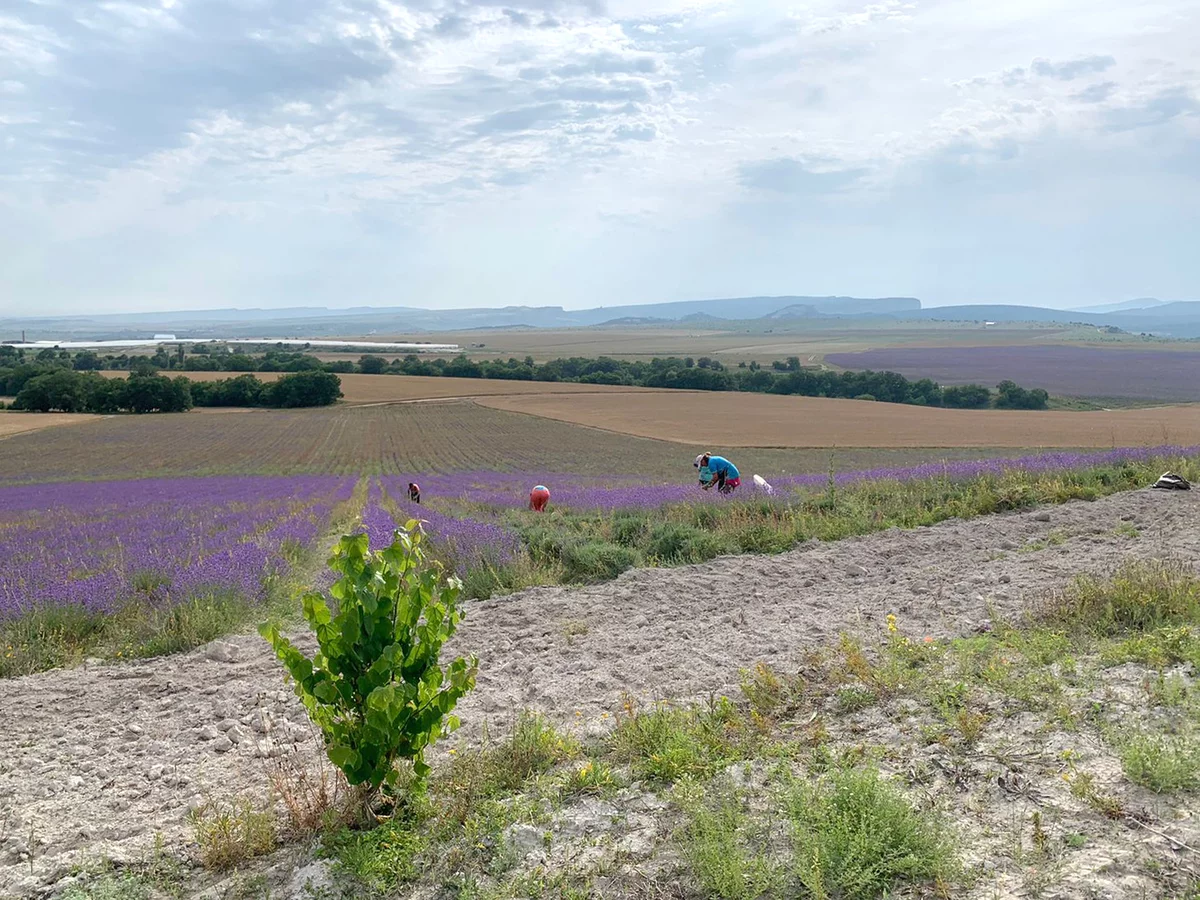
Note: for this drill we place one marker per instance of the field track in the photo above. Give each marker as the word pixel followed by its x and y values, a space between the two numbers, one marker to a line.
pixel 20 423
pixel 764 420
pixel 100 760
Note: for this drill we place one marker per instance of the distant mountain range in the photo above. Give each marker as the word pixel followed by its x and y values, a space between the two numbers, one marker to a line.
pixel 1141 303
pixel 1174 319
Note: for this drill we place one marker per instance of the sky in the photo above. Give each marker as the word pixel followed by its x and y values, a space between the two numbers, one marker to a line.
pixel 186 154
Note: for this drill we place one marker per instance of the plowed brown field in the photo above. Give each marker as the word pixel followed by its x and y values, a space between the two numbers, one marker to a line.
pixel 18 423
pixel 762 420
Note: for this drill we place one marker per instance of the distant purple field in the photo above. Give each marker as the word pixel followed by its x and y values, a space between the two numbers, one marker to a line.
pixel 98 544
pixel 1168 375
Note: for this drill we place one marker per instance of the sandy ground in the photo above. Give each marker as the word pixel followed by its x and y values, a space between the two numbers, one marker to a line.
pixel 767 420
pixel 97 761
pixel 21 422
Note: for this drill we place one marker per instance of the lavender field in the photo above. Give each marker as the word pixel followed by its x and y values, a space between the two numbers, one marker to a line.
pixel 98 545
pixel 1165 375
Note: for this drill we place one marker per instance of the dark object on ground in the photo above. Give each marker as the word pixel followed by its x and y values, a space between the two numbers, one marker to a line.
pixel 1172 482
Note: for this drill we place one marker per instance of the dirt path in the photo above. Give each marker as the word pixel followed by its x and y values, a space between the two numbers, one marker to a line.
pixel 96 762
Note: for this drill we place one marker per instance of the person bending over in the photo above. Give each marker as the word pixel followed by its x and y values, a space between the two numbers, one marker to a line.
pixel 538 498
pixel 414 492
pixel 725 475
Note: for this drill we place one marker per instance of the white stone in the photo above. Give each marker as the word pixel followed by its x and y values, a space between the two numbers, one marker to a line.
pixel 222 651
pixel 237 734
pixel 524 839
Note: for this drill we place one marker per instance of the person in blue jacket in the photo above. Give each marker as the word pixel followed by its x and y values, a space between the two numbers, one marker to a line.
pixel 725 475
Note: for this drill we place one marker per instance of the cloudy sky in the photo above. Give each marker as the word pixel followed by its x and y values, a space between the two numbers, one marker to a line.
pixel 170 154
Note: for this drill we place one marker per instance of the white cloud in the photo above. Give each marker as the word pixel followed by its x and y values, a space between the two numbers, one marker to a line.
pixel 683 142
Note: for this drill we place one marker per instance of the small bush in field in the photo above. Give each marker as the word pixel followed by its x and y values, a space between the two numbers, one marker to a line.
pixel 856 835
pixel 595 561
pixel 1140 597
pixel 628 531
pixel 377 688
pixel 716 846
pixel 675 543
pixel 228 835
pixel 1161 763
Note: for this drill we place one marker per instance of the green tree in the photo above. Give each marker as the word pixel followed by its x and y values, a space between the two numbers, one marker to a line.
pixel 372 365
pixel 966 396
pixel 1010 396
pixel 87 361
pixel 377 688
pixel 63 390
pixel 304 389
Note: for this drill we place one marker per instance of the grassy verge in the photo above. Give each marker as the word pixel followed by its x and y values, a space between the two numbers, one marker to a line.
pixel 1050 756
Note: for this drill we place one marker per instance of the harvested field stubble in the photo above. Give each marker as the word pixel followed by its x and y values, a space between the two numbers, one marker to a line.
pixel 19 422
pixel 761 420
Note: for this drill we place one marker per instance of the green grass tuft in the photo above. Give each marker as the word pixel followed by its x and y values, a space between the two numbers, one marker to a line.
pixel 717 846
pixel 1163 763
pixel 666 744
pixel 857 836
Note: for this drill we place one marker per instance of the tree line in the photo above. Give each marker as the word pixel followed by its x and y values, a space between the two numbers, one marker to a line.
pixel 38 388
pixel 703 374
pixel 782 377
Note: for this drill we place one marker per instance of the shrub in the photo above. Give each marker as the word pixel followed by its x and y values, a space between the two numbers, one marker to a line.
pixel 1140 597
pixel 377 688
pixel 628 530
pixel 1161 763
pixel 715 846
pixel 667 744
pixel 585 561
pixel 762 537
pixel 675 543
pixel 857 836
pixel 545 545
pixel 230 835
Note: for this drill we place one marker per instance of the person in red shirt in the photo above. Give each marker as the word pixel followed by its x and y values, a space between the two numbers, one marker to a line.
pixel 538 498
pixel 414 492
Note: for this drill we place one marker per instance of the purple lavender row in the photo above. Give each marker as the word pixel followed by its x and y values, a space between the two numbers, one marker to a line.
pixel 511 490
pixel 966 469
pixel 99 544
pixel 377 522
pixel 463 542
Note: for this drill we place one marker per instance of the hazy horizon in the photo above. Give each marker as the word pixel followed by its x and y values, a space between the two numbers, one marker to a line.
pixel 283 306
pixel 169 155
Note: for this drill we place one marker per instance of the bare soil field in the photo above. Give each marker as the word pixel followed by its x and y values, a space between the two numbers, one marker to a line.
pixel 362 389
pixel 19 423
pixel 382 439
pixel 104 762
pixel 1073 371
pixel 763 420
